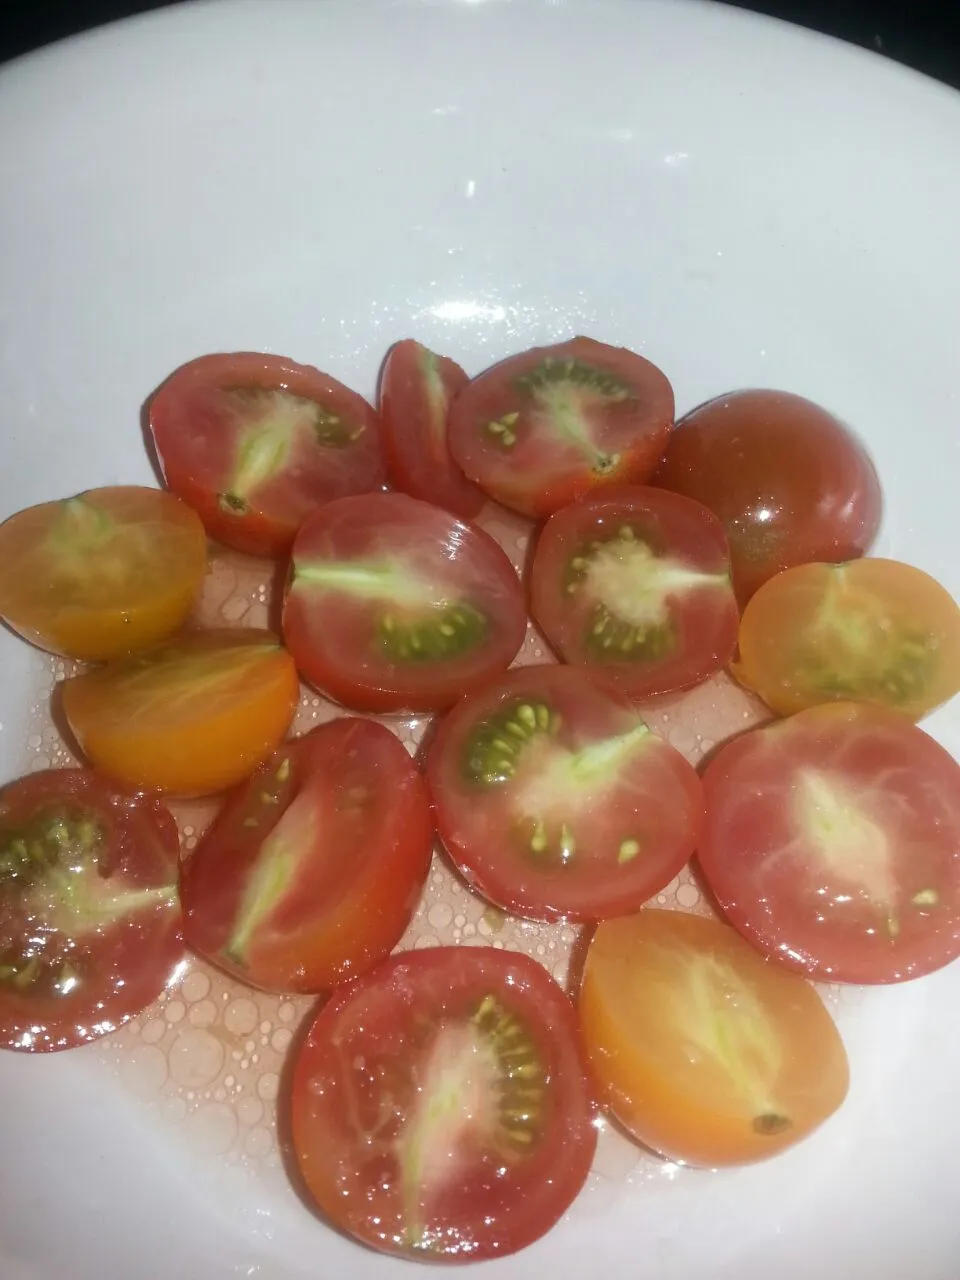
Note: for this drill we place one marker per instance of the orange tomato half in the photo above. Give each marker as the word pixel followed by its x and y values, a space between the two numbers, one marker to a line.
pixel 700 1048
pixel 874 631
pixel 192 717
pixel 109 572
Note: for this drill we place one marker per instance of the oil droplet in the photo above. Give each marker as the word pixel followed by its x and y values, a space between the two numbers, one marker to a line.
pixel 175 1011
pixel 203 1014
pixel 212 1129
pixel 688 895
pixel 440 915
pixel 153 1031
pixel 287 1012
pixel 196 985
pixel 258 1143
pixel 281 1039
pixel 250 1111
pixel 268 1086
pixel 196 1058
pixel 240 1017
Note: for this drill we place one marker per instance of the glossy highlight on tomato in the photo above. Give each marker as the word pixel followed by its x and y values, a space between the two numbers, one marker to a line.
pixel 255 442
pixel 313 868
pixel 395 605
pixel 556 801
pixel 833 844
pixel 635 582
pixel 790 483
pixel 89 915
pixel 440 1109
pixel 545 427
pixel 106 573
pixel 874 631
pixel 417 388
pixel 699 1048
pixel 192 717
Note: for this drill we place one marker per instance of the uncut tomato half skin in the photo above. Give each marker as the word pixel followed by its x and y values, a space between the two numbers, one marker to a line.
pixel 395 605
pixel 191 717
pixel 313 868
pixel 440 1108
pixel 102 574
pixel 635 582
pixel 256 442
pixel 556 801
pixel 90 928
pixel 873 630
pixel 832 844
pixel 701 1049
pixel 417 388
pixel 790 483
pixel 551 424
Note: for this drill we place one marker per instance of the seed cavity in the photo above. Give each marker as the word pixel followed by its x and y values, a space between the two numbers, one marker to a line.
pixel 611 639
pixel 551 372
pixel 502 429
pixel 770 1124
pixel 925 898
pixel 496 745
pixel 447 632
pixel 628 851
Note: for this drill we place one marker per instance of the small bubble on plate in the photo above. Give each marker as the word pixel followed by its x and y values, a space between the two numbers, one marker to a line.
pixel 268 1086
pixel 240 1017
pixel 175 1011
pixel 203 1014
pixel 196 1058
pixel 196 984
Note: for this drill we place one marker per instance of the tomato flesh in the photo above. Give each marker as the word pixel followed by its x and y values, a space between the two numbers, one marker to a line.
pixel 313 868
pixel 440 1109
pixel 873 631
pixel 191 717
pixel 89 915
pixel 255 442
pixel 833 844
pixel 417 388
pixel 636 582
pixel 395 605
pixel 789 482
pixel 556 801
pixel 102 574
pixel 545 427
pixel 699 1048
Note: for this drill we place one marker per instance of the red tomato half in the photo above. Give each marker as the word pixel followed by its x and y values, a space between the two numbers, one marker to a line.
pixel 545 427
pixel 789 482
pixel 636 581
pixel 395 605
pixel 833 844
pixel 417 388
pixel 556 801
pixel 89 916
pixel 313 868
pixel 255 442
pixel 440 1108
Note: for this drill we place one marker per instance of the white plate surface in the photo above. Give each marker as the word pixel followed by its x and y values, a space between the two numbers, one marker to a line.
pixel 743 202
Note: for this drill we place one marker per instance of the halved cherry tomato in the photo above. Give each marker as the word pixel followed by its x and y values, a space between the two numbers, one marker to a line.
pixel 313 868
pixel 395 605
pixel 870 631
pixel 636 582
pixel 89 916
pixel 556 801
pixel 545 427
pixel 699 1048
pixel 833 844
pixel 256 442
pixel 192 717
pixel 417 388
pixel 105 573
pixel 789 482
pixel 440 1109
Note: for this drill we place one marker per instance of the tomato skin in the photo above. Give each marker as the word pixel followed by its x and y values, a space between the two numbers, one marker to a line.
pixel 537 466
pixel 873 631
pixel 833 844
pixel 654 987
pixel 557 837
pixel 106 573
pixel 680 539
pixel 338 633
pixel 119 939
pixel 789 482
pixel 332 921
pixel 195 431
pixel 417 388
pixel 490 1202
pixel 192 717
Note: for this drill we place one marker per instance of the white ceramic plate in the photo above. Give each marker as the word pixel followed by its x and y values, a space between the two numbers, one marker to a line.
pixel 743 202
